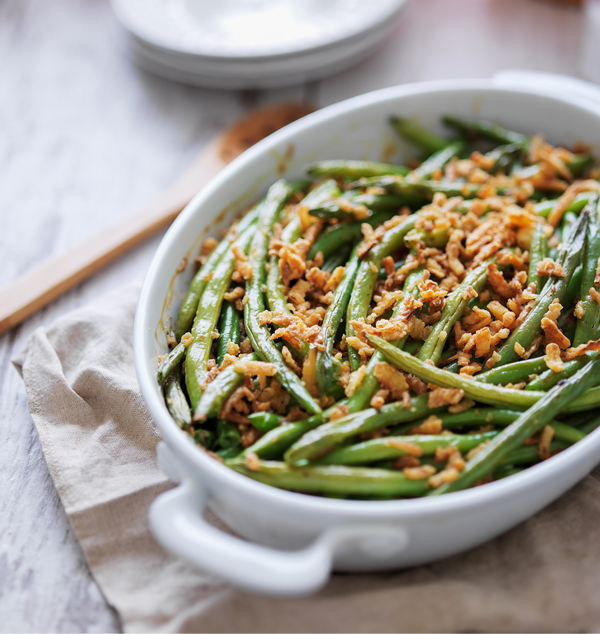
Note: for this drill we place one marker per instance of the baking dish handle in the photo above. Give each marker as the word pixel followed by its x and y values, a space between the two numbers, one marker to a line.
pixel 177 522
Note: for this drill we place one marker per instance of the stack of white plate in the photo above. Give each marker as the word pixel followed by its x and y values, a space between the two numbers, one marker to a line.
pixel 253 43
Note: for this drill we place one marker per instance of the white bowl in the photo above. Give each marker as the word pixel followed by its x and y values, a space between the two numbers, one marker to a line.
pixel 296 540
pixel 280 70
pixel 251 30
pixel 250 44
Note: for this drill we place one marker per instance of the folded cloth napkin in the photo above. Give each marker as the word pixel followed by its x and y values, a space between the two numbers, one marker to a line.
pixel 99 442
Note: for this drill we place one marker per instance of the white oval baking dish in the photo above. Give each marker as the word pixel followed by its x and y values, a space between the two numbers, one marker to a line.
pixel 296 540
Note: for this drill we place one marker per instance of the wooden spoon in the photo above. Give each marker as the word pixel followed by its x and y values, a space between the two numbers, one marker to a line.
pixel 49 280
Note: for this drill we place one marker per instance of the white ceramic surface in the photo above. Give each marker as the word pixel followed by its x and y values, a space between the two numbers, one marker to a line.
pixel 266 73
pixel 252 43
pixel 295 540
pixel 243 29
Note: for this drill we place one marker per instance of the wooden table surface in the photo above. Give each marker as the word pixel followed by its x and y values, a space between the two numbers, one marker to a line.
pixel 86 137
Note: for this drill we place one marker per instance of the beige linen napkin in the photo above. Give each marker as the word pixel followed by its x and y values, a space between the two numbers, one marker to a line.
pixel 99 442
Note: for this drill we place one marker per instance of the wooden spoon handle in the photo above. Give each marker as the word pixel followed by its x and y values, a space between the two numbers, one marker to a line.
pixel 52 278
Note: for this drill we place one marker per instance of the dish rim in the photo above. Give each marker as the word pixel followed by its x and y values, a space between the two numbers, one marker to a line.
pixel 178 440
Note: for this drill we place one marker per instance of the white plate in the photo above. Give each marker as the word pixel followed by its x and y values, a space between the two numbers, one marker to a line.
pixel 250 73
pixel 238 29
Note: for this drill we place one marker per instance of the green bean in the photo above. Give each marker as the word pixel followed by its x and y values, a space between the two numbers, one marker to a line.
pixel 176 402
pixel 229 330
pixel 170 362
pixel 340 210
pixel 369 384
pixel 435 238
pixel 566 433
pixel 319 441
pixel 218 391
pixel 487 129
pixel 563 232
pixel 587 325
pixel 580 419
pixel 483 392
pixel 505 472
pixel 590 400
pixel 379 202
pixel 312 439
pixel 333 480
pixel 568 221
pixel 276 297
pixel 513 372
pixel 205 437
pixel 331 322
pixel 453 309
pixel 259 335
pixel 556 239
pixel 235 451
pixel 504 157
pixel 521 457
pixel 590 425
pixel 549 378
pixel 275 442
pixel 537 252
pixel 493 416
pixel 187 312
pixel 327 190
pixel 580 201
pixel 573 287
pixel 555 288
pixel 349 207
pixel 342 234
pixel 198 352
pixel 415 134
pixel 264 421
pixel 528 424
pixel 453 367
pixel 436 161
pixel 423 190
pixel 366 279
pixel 335 238
pixel 412 346
pixel 228 435
pixel 566 323
pixel 340 258
pixel 394 446
pixel 525 456
pixel 474 417
pixel 580 164
pixel 351 170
